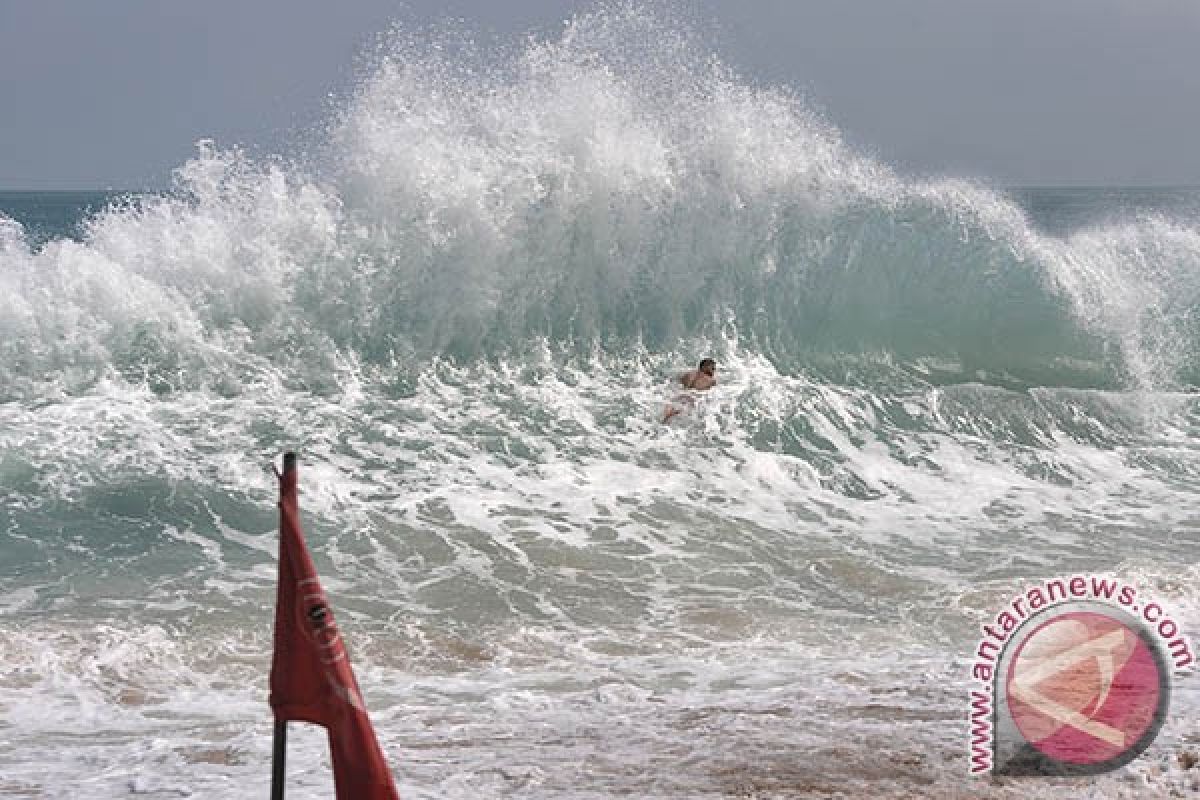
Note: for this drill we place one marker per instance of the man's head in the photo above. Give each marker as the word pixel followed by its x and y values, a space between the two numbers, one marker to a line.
pixel 708 366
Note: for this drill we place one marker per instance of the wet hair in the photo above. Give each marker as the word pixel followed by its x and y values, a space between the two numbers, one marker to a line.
pixel 704 362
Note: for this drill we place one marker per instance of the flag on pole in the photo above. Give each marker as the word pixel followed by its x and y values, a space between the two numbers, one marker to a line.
pixel 311 677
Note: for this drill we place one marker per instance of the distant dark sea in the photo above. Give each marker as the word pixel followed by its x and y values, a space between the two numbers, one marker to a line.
pixel 47 215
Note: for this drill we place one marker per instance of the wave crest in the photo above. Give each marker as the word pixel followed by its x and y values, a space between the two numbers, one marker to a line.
pixel 616 185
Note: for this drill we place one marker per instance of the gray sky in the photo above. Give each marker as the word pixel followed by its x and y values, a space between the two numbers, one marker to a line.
pixel 98 93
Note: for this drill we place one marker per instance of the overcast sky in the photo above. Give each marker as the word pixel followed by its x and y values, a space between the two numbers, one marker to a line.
pixel 97 93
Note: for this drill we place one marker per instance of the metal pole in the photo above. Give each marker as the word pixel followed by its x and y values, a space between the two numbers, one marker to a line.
pixel 278 759
pixel 279 742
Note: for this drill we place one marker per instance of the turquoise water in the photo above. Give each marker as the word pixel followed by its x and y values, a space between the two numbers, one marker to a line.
pixel 466 316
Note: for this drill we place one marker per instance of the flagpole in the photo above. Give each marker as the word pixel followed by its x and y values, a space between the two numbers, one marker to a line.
pixel 278 759
pixel 279 740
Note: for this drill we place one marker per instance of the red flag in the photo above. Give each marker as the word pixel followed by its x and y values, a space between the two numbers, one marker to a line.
pixel 311 678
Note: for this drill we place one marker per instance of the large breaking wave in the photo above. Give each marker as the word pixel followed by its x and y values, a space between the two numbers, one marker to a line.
pixel 615 188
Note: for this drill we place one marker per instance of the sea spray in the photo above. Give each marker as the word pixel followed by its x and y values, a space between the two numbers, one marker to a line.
pixel 603 188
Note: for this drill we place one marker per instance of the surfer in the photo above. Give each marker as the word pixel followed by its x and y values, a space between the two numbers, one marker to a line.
pixel 700 379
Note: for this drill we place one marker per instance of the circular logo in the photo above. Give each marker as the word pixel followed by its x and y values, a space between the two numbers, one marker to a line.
pixel 1087 689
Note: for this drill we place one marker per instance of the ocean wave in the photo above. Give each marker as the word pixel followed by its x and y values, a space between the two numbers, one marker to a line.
pixel 615 187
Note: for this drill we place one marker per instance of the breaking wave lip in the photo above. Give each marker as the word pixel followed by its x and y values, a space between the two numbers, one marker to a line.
pixel 614 187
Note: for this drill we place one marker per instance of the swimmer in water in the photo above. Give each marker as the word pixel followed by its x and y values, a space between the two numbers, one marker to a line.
pixel 701 379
